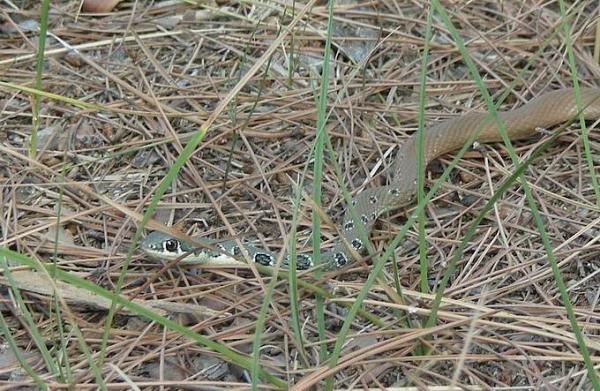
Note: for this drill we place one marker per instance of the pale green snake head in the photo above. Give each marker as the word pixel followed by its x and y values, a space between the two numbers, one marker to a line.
pixel 163 246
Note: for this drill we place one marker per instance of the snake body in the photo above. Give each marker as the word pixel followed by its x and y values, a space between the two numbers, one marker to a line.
pixel 544 111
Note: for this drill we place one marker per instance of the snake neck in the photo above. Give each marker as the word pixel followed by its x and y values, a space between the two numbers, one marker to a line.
pixel 371 203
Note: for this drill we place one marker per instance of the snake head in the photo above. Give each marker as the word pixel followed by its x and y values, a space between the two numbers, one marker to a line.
pixel 163 246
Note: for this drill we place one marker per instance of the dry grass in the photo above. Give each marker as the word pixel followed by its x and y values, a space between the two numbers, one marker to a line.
pixel 161 70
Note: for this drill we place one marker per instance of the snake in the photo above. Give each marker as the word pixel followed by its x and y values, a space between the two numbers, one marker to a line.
pixel 543 111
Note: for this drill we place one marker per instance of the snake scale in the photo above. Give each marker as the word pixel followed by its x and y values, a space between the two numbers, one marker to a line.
pixel 542 112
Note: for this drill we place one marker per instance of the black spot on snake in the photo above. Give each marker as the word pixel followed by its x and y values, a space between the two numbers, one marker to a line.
pixel 373 199
pixel 304 262
pixel 349 225
pixel 340 259
pixel 364 219
pixel 263 259
pixel 236 251
pixel 357 244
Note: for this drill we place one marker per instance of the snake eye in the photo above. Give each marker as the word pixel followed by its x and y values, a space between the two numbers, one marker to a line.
pixel 171 245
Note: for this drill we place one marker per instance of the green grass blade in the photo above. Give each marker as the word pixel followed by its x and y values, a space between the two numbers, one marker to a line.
pixel 266 303
pixel 529 196
pixel 317 290
pixel 255 370
pixel 36 335
pixel 318 175
pixel 423 266
pixel 39 68
pixel 83 346
pixel 18 355
pixel 584 130
pixel 55 299
pixel 140 310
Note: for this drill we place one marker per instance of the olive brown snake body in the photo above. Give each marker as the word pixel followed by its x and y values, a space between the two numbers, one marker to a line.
pixel 542 112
